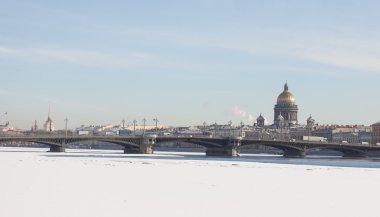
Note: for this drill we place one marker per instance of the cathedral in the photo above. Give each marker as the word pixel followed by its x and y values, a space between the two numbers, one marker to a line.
pixel 286 109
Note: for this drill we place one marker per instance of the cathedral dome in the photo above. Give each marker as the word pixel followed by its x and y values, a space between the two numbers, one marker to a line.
pixel 260 118
pixel 286 97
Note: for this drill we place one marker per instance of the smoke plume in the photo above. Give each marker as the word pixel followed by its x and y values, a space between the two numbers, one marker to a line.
pixel 237 112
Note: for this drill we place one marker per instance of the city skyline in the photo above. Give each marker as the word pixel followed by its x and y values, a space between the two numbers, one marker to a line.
pixel 189 62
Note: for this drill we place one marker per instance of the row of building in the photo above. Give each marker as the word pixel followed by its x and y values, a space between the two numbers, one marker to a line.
pixel 285 125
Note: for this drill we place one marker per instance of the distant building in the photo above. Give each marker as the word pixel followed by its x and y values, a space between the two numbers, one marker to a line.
pixel 34 128
pixel 352 137
pixel 324 132
pixel 286 110
pixel 340 133
pixel 49 124
pixel 108 129
pixel 146 127
pixel 298 133
pixel 125 132
pixel 376 133
pixel 310 122
pixel 260 121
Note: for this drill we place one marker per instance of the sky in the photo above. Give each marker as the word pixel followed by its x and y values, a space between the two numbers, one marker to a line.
pixel 187 62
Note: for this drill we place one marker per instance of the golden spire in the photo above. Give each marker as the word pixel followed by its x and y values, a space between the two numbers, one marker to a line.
pixel 49 114
pixel 286 88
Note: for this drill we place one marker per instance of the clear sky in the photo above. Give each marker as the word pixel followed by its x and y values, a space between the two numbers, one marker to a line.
pixel 186 62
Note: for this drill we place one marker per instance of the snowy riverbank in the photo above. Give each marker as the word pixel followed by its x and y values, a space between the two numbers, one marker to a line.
pixel 108 183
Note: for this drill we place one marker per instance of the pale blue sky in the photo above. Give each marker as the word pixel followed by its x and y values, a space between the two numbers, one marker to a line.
pixel 186 62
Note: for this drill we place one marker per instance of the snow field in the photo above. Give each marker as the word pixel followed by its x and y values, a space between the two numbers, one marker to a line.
pixel 36 183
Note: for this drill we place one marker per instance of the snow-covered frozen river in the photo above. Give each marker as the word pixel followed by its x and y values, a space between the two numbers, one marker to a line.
pixel 34 182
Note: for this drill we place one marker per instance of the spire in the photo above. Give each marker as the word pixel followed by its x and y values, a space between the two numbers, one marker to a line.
pixel 49 114
pixel 286 86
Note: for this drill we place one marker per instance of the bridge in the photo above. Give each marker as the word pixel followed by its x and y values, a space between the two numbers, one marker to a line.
pixel 228 146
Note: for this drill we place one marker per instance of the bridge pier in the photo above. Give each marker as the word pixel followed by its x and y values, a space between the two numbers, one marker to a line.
pixel 292 153
pixel 230 150
pixel 145 145
pixel 57 149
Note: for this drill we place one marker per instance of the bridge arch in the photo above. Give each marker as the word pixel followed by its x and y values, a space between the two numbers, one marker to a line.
pixel 263 148
pixel 54 146
pixel 196 141
pixel 214 146
pixel 345 151
pixel 116 142
pixel 129 147
pixel 47 143
pixel 288 150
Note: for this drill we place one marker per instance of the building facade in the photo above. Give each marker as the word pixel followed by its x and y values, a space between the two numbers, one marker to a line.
pixel 376 133
pixel 352 137
pixel 286 109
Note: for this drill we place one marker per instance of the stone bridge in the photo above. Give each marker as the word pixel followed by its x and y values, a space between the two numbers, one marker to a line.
pixel 214 146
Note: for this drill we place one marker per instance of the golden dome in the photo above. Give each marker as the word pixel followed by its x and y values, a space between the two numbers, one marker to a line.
pixel 286 97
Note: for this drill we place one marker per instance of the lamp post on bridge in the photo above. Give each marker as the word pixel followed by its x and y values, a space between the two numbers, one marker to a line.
pixel 66 120
pixel 6 118
pixel 156 120
pixel 215 129
pixel 241 128
pixel 123 122
pixel 144 123
pixel 204 127
pixel 230 128
pixel 134 127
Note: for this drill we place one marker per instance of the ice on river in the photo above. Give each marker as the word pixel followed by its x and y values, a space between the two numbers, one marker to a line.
pixel 84 183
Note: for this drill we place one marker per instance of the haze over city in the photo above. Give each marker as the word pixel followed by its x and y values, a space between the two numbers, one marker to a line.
pixel 188 62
